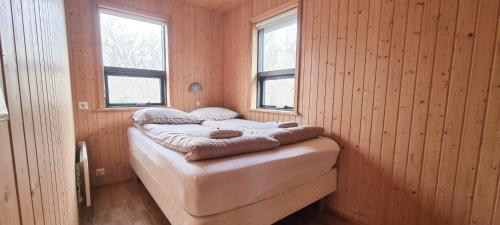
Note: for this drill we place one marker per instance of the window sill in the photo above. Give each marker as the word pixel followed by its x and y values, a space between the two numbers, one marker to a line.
pixel 292 113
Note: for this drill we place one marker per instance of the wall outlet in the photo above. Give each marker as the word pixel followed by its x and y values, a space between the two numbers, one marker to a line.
pixel 83 105
pixel 100 172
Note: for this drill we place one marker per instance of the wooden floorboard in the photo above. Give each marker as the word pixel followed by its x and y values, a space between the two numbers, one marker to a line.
pixel 129 203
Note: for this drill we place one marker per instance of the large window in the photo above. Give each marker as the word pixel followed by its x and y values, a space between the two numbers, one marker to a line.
pixel 134 54
pixel 276 58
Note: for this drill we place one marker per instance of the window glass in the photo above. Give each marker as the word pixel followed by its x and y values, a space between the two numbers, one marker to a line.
pixel 130 43
pixel 139 90
pixel 280 43
pixel 279 92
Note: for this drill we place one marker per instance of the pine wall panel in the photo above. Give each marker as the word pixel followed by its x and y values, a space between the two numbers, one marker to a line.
pixel 195 55
pixel 410 90
pixel 38 141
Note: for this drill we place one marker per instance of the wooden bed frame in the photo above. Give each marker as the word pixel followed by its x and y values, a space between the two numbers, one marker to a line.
pixel 263 212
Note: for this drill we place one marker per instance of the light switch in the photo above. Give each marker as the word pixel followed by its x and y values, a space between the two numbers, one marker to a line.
pixel 83 105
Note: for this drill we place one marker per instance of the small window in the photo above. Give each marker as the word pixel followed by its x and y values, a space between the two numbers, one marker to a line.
pixel 276 59
pixel 134 55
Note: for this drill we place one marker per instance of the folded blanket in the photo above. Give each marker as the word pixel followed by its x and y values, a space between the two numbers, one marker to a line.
pixel 233 124
pixel 277 124
pixel 284 132
pixel 200 149
pixel 216 134
pixel 241 124
pixel 295 134
pixel 181 138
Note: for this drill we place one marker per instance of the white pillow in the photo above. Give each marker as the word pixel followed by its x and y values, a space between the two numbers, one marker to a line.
pixel 215 113
pixel 164 116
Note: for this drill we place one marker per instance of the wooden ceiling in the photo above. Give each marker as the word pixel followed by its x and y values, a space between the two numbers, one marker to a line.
pixel 217 5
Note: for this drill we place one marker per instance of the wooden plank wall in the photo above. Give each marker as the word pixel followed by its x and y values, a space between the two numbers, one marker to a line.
pixel 38 142
pixel 218 5
pixel 410 88
pixel 195 52
pixel 9 205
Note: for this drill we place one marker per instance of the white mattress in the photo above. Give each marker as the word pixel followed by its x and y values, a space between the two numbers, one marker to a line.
pixel 214 186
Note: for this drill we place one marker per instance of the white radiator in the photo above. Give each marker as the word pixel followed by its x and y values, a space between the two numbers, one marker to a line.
pixel 83 176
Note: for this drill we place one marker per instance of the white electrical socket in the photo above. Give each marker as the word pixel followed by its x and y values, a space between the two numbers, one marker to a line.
pixel 100 172
pixel 83 105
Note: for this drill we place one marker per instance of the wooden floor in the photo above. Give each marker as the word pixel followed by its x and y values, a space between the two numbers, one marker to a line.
pixel 129 203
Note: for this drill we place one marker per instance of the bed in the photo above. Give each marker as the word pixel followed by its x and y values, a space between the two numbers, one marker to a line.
pixel 255 188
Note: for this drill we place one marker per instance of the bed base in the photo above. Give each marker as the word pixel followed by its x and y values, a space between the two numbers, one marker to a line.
pixel 263 212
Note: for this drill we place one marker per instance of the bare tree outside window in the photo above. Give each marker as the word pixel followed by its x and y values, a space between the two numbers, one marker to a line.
pixel 280 47
pixel 279 92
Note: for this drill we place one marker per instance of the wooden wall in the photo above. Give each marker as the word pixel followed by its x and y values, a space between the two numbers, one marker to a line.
pixel 37 144
pixel 195 52
pixel 410 88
